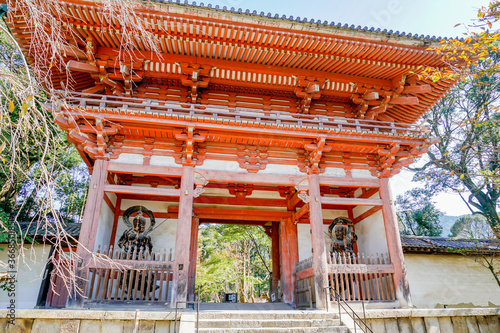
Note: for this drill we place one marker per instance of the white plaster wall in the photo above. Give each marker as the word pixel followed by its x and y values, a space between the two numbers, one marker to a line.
pixel 29 275
pixel 129 158
pixel 450 279
pixel 371 234
pixel 163 236
pixel 304 240
pixel 359 173
pixel 105 226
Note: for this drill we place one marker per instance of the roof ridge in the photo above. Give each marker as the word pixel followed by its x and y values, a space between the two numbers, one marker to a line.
pixel 298 19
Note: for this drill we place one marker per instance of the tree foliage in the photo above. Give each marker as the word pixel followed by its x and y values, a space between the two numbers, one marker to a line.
pixel 417 214
pixel 467 157
pixel 233 259
pixel 472 226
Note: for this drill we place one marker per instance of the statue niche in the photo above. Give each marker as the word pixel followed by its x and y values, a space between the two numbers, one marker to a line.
pixel 341 232
pixel 136 237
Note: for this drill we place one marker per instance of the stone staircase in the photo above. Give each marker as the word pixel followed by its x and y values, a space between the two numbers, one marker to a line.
pixel 270 321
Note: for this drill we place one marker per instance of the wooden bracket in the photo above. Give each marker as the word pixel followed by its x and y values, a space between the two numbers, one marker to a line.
pixel 191 151
pixel 252 158
pixel 240 190
pixel 195 76
pixel 313 152
pixel 308 88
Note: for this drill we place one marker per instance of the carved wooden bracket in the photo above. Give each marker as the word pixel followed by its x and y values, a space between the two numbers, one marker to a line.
pixel 313 152
pixel 195 76
pixel 191 151
pixel 390 162
pixel 240 190
pixel 148 149
pixel 199 184
pixel 252 158
pixel 308 88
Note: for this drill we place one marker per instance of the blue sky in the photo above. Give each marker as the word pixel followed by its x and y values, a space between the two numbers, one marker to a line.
pixel 428 17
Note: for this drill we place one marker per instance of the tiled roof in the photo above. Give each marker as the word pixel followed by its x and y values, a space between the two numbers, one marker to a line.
pixel 448 245
pixel 33 229
pixel 299 19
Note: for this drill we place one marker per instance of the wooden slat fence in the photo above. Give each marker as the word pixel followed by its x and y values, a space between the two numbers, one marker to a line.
pixel 362 277
pixel 145 278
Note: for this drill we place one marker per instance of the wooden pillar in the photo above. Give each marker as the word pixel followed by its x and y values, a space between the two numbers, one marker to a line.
pixel 182 237
pixel 394 245
pixel 193 256
pixel 287 286
pixel 320 267
pixel 88 231
pixel 116 218
pixel 275 257
pixel 293 250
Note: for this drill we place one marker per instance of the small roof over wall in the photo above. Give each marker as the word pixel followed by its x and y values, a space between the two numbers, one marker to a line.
pixel 448 245
pixel 41 231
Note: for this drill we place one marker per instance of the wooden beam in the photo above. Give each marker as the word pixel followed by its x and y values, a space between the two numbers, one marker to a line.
pixel 348 182
pixel 135 264
pixel 424 88
pixel 368 193
pixel 77 66
pixel 143 190
pixel 135 169
pixel 308 272
pixel 241 214
pixel 351 201
pixel 293 201
pixel 301 212
pixel 360 268
pixel 369 212
pixel 109 203
pixel 250 178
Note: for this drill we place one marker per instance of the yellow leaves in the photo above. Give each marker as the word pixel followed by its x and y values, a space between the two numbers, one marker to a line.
pixel 2 146
pixel 24 108
pixel 11 107
pixel 462 176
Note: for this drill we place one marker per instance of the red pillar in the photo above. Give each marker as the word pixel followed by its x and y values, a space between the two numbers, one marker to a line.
pixel 275 257
pixel 193 256
pixel 320 267
pixel 293 245
pixel 88 231
pixel 394 244
pixel 183 234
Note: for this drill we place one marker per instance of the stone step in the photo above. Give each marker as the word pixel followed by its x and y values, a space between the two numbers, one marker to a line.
pixel 256 323
pixel 327 329
pixel 269 315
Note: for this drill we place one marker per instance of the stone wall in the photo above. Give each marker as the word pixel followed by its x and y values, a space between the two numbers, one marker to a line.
pixel 94 321
pixel 434 321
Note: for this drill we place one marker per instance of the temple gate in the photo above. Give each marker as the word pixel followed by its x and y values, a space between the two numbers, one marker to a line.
pixel 242 117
